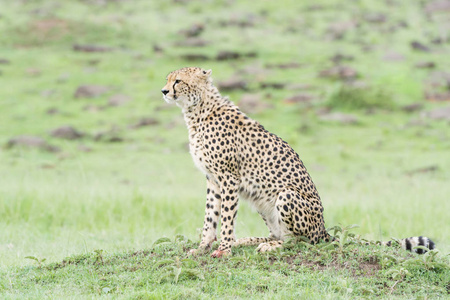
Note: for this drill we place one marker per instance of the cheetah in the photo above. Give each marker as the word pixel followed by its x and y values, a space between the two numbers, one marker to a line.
pixel 241 159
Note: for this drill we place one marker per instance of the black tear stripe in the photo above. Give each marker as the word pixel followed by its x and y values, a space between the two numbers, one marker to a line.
pixel 408 244
pixel 174 92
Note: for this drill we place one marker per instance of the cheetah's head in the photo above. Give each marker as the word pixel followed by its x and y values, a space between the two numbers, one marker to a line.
pixel 185 86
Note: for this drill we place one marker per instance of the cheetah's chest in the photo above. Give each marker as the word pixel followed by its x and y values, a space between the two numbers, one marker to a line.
pixel 196 148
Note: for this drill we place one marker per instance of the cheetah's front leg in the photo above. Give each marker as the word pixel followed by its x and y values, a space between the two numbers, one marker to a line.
pixel 229 186
pixel 212 214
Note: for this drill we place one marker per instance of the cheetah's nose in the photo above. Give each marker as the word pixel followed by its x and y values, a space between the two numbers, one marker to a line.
pixel 164 92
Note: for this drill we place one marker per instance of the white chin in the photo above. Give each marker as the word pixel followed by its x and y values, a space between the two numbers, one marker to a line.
pixel 170 101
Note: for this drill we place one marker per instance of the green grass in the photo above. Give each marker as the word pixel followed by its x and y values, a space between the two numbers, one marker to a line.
pixel 345 270
pixel 122 197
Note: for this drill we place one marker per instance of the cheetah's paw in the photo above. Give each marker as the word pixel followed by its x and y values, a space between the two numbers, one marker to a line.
pixel 202 248
pixel 269 246
pixel 221 253
pixel 195 252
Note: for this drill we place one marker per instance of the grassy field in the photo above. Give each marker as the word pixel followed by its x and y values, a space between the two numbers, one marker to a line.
pixel 353 87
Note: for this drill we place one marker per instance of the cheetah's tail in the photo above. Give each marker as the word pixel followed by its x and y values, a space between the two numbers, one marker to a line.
pixel 411 242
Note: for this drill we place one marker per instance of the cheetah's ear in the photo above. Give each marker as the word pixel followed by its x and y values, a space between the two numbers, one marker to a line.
pixel 207 73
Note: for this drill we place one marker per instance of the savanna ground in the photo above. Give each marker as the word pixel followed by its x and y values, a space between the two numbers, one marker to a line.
pixel 360 89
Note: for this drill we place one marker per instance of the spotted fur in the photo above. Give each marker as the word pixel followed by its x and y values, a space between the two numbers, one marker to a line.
pixel 241 159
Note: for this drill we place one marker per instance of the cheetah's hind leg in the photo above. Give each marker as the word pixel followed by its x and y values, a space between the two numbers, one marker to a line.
pixel 251 241
pixel 291 216
pixel 288 218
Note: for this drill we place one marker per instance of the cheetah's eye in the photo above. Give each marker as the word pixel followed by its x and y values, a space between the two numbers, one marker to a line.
pixel 177 81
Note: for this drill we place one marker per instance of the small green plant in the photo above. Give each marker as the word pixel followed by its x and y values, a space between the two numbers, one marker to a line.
pixel 174 269
pixel 98 256
pixel 39 261
pixel 397 274
pixel 388 260
pixel 342 236
pixel 161 243
pixel 343 286
pixel 180 242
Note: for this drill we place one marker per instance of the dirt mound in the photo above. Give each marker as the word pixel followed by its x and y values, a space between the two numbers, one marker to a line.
pixel 31 142
pixel 67 133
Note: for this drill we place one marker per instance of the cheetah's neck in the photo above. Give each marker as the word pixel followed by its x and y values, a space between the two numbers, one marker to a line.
pixel 211 100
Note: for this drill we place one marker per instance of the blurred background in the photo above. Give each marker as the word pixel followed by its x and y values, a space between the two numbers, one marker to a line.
pixel 92 158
